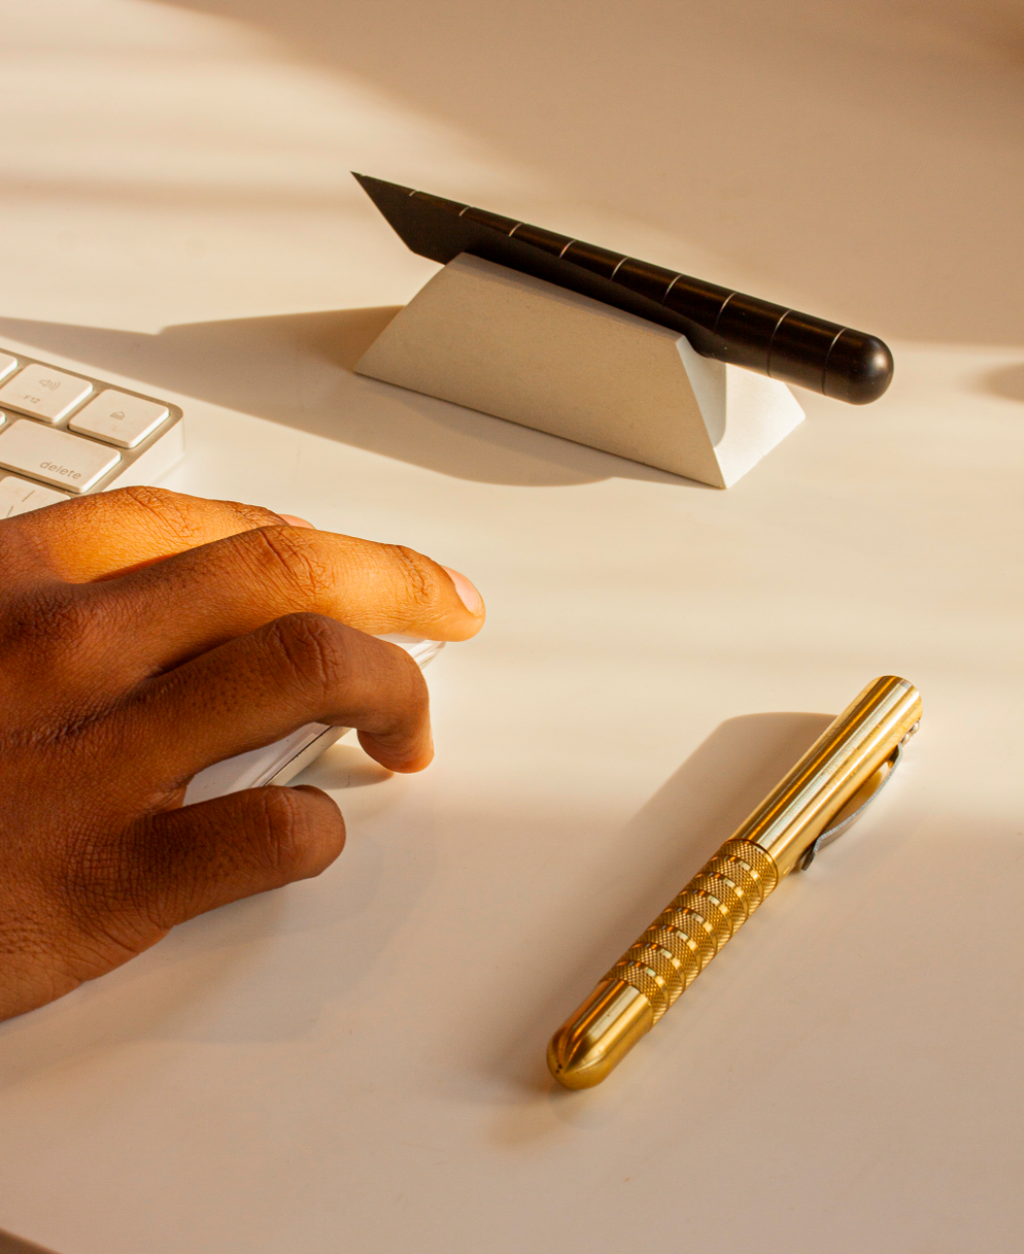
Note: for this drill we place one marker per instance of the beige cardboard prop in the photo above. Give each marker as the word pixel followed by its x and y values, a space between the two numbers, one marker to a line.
pixel 507 344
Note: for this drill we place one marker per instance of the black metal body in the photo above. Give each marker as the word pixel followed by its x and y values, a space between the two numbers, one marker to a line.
pixel 794 347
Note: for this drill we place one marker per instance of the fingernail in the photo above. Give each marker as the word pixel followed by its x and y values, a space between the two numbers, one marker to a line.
pixel 295 521
pixel 471 599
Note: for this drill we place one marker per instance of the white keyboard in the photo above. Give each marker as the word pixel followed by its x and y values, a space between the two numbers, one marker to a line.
pixel 63 434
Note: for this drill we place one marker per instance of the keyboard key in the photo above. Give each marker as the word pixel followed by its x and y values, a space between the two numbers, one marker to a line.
pixel 66 461
pixel 18 496
pixel 119 418
pixel 44 392
pixel 7 364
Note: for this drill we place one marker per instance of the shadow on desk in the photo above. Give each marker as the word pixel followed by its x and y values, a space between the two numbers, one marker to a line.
pixel 298 370
pixel 668 840
pixel 1006 381
pixel 15 1245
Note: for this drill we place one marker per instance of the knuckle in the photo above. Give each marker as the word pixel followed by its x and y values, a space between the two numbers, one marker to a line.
pixel 282 829
pixel 103 886
pixel 55 624
pixel 412 691
pixel 287 555
pixel 177 518
pixel 95 879
pixel 401 704
pixel 167 509
pixel 422 583
pixel 315 650
pixel 252 516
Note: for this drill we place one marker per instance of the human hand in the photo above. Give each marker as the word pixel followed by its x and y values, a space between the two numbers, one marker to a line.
pixel 145 635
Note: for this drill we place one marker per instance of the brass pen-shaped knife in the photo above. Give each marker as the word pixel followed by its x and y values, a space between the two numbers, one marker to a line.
pixel 817 800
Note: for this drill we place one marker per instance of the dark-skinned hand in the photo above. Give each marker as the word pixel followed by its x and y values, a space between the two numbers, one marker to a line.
pixel 145 635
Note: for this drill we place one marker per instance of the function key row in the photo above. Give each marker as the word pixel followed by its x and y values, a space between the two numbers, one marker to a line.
pixel 50 395
pixel 73 434
pixel 44 392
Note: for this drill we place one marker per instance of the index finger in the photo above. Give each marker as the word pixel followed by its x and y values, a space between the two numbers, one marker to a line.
pixel 196 600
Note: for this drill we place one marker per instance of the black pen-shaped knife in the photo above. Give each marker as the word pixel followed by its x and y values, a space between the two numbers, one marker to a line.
pixel 782 343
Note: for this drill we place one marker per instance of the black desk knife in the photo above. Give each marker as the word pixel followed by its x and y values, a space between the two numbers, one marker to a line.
pixel 794 347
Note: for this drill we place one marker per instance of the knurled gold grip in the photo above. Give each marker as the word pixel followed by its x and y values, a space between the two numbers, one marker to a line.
pixel 834 779
pixel 688 933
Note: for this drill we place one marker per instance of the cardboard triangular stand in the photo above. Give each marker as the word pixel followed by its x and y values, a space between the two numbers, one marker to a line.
pixel 507 344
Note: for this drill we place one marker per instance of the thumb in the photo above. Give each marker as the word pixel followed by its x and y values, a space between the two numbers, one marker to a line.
pixel 123 895
pixel 184 862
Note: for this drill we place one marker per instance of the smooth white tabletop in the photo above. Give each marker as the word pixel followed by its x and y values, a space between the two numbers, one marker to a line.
pixel 356 1063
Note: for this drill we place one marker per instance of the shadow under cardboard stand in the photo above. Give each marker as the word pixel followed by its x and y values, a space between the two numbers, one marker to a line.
pixel 15 1245
pixel 297 370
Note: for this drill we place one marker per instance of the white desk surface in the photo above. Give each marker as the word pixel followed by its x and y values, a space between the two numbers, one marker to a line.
pixel 357 1063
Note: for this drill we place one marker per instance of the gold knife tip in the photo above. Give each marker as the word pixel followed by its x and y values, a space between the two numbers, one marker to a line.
pixel 599 1034
pixel 573 1062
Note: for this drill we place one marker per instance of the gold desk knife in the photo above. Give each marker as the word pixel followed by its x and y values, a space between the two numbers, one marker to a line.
pixel 819 798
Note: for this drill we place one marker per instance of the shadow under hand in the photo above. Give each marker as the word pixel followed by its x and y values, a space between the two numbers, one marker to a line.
pixel 209 979
pixel 297 370
pixel 662 847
